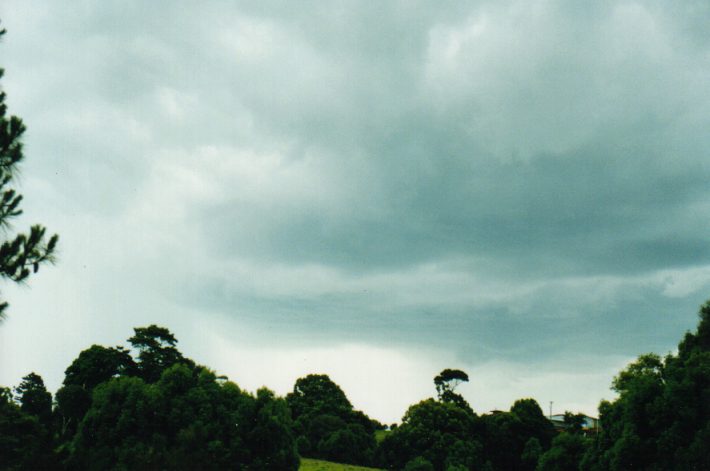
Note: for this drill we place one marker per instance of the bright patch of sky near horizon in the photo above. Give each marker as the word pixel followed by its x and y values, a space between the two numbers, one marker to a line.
pixel 376 191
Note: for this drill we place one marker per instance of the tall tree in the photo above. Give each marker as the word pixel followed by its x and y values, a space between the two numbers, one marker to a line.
pixel 533 422
pixel 448 380
pixel 24 441
pixel 326 424
pixel 661 419
pixel 440 433
pixel 446 383
pixel 23 253
pixel 156 351
pixel 566 453
pixel 34 398
pixel 97 364
pixel 186 420
pixel 94 366
pixel 318 394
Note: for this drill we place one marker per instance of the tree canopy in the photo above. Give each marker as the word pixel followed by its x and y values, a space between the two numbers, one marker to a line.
pixel 446 434
pixel 34 398
pixel 25 443
pixel 448 380
pixel 157 351
pixel 326 424
pixel 440 433
pixel 661 419
pixel 186 420
pixel 96 365
pixel 112 413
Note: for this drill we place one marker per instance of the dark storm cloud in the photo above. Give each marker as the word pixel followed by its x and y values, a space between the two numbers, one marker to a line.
pixel 611 192
pixel 511 180
pixel 597 211
pixel 554 142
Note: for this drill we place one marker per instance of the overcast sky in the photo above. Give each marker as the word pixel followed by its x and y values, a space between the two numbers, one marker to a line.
pixel 372 190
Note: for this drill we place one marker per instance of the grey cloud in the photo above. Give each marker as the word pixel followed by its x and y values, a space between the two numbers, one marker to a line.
pixel 599 211
pixel 554 322
pixel 620 186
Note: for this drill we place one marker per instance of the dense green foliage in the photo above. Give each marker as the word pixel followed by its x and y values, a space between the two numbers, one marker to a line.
pixel 187 420
pixel 34 398
pixel 326 424
pixel 25 443
pixel 661 419
pixel 513 439
pixel 441 433
pixel 156 352
pixel 565 454
pixel 96 365
pixel 445 434
pixel 110 415
pixel 21 254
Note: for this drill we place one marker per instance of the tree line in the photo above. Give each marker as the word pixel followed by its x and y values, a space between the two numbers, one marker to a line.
pixel 148 407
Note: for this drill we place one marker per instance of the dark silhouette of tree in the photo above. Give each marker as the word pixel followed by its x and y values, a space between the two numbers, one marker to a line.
pixel 93 366
pixel 24 442
pixel 326 424
pixel 23 253
pixel 532 422
pixel 661 419
pixel 98 364
pixel 503 441
pixel 34 398
pixel 72 403
pixel 532 451
pixel 440 433
pixel 447 434
pixel 565 454
pixel 446 383
pixel 516 439
pixel 156 351
pixel 318 394
pixel 271 441
pixel 188 419
pixel 448 380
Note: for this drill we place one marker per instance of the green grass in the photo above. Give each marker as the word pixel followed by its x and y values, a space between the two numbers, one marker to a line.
pixel 308 464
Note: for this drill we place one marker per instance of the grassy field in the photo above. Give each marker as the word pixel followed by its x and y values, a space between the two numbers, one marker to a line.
pixel 308 464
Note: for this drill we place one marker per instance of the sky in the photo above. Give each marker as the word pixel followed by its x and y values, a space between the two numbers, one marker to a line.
pixel 371 190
